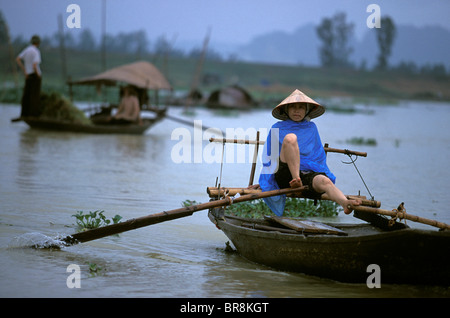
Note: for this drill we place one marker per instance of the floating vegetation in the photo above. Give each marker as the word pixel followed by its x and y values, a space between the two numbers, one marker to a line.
pixel 187 203
pixel 93 220
pixel 362 141
pixel 350 110
pixel 94 269
pixel 56 106
pixel 295 207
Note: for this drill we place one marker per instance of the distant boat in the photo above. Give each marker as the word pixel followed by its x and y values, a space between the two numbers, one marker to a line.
pixel 141 75
pixel 231 97
pixel 94 128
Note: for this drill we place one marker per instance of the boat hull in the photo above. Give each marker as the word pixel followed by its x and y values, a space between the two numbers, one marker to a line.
pixel 409 256
pixel 55 125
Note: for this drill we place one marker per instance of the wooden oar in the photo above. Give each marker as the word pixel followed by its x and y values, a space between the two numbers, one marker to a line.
pixel 402 215
pixel 190 123
pixel 132 224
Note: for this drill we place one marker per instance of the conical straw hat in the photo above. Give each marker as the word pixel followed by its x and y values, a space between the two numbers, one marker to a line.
pixel 280 111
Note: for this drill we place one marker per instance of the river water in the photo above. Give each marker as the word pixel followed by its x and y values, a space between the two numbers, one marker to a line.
pixel 46 177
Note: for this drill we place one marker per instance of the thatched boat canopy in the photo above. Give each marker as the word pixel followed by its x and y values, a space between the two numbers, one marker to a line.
pixel 230 97
pixel 140 74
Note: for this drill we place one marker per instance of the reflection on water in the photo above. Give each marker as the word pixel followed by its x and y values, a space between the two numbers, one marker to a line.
pixel 48 176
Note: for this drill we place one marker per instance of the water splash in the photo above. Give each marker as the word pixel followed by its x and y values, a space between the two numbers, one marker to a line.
pixel 37 240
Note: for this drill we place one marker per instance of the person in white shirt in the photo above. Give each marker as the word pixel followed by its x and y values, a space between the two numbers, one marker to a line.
pixel 31 57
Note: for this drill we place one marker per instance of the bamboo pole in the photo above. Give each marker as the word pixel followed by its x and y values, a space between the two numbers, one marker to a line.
pixel 346 151
pixel 213 192
pixel 259 142
pixel 237 141
pixel 402 215
pixel 255 158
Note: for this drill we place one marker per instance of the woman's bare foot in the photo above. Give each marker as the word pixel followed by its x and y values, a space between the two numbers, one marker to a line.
pixel 348 205
pixel 296 183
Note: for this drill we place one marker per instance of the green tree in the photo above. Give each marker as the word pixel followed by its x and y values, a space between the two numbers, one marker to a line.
pixel 3 29
pixel 385 37
pixel 325 33
pixel 335 34
pixel 86 41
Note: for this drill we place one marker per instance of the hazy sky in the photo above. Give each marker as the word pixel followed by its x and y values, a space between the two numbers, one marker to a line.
pixel 231 21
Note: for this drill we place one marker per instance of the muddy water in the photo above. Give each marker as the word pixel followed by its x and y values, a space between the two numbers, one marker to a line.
pixel 46 177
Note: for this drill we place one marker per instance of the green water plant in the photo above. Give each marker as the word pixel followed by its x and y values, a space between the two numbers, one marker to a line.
pixel 295 207
pixel 94 219
pixel 362 141
pixel 93 267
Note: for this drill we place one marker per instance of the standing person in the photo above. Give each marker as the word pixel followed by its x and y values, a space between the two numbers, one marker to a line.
pixel 31 93
pixel 293 154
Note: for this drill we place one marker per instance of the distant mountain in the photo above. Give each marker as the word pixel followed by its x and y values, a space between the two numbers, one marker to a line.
pixel 299 47
pixel 426 45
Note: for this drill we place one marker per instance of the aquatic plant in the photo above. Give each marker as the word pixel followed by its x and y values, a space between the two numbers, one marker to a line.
pixel 362 141
pixel 94 220
pixel 295 207
pixel 187 203
pixel 93 267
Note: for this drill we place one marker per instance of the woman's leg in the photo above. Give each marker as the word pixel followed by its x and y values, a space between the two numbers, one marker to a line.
pixel 290 154
pixel 323 184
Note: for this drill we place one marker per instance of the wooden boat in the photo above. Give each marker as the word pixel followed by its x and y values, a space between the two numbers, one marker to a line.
pixel 95 127
pixel 341 252
pixel 406 255
pixel 231 97
pixel 141 75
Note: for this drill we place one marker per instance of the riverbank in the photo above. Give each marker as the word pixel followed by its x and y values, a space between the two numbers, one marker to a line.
pixel 265 82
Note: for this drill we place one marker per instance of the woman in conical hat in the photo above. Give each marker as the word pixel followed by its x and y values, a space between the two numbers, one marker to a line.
pixel 314 109
pixel 293 154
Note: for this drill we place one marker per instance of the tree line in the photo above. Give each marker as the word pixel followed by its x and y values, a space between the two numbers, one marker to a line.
pixel 334 33
pixel 135 42
pixel 334 52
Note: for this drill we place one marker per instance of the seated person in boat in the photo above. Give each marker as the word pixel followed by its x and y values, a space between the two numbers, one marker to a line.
pixel 129 111
pixel 293 155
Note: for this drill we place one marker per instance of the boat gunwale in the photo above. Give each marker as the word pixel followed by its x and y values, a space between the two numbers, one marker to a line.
pixel 325 238
pixel 62 125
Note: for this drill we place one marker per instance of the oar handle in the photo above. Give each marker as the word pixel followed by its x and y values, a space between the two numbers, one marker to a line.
pixel 345 151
